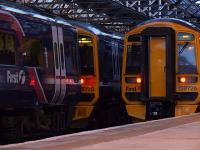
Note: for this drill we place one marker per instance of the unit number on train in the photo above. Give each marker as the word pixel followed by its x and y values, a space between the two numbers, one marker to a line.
pixel 187 89
pixel 87 89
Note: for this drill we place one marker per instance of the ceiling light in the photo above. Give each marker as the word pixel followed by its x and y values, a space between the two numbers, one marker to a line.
pixel 197 2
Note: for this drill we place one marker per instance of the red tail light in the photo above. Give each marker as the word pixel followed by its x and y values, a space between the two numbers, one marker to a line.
pixel 88 81
pixel 32 82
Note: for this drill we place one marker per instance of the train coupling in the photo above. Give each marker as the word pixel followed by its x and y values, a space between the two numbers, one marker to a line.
pixel 158 110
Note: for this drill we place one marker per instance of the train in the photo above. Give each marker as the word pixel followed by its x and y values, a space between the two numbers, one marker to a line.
pixel 56 74
pixel 100 104
pixel 160 69
pixel 39 71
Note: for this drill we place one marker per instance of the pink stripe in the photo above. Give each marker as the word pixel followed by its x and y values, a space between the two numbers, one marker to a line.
pixel 38 88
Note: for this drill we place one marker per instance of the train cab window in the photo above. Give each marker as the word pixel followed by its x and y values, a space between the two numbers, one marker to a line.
pixel 86 55
pixel 7 49
pixel 32 52
pixel 133 56
pixel 186 53
pixel 187 58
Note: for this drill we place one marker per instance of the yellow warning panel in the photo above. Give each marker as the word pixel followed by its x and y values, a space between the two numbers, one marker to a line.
pixel 82 112
pixel 157 67
pixel 137 111
pixel 185 109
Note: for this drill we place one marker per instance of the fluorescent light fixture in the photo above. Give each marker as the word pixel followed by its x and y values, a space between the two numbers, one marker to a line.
pixel 197 2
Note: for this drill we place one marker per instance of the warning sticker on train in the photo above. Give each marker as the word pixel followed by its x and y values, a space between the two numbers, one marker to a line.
pixel 17 77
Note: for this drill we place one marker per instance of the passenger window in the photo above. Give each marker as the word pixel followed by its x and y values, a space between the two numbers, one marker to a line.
pixel 74 58
pixel 1 41
pixel 70 63
pixel 187 58
pixel 32 52
pixel 70 51
pixel 107 56
pixel 7 49
pixel 10 45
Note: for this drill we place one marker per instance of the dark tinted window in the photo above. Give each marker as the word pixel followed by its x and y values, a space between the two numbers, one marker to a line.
pixel 71 57
pixel 70 49
pixel 133 56
pixel 86 55
pixel 120 55
pixel 107 58
pixel 134 38
pixel 133 59
pixel 7 49
pixel 32 52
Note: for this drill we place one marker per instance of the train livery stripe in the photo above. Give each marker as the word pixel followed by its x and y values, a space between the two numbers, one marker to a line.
pixel 56 64
pixel 38 87
pixel 62 63
pixel 16 21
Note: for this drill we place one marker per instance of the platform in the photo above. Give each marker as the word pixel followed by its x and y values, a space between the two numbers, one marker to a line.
pixel 180 133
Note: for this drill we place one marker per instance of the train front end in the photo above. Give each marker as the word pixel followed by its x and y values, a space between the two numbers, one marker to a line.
pixel 89 78
pixel 160 69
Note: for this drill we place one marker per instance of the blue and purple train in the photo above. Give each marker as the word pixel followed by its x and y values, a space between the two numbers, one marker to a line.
pixel 41 70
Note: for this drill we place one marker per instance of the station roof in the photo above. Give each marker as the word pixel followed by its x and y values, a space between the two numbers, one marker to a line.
pixel 119 15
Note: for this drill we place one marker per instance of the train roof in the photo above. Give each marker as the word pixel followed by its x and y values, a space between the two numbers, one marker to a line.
pixel 95 30
pixel 29 11
pixel 178 21
pixel 43 15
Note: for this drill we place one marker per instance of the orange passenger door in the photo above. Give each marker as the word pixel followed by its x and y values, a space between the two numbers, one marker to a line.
pixel 157 85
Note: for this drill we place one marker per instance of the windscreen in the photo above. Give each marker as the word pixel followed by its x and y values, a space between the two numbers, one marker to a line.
pixel 186 53
pixel 133 55
pixel 86 55
pixel 187 58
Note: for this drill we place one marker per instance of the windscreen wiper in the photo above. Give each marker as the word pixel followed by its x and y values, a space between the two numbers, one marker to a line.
pixel 183 48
